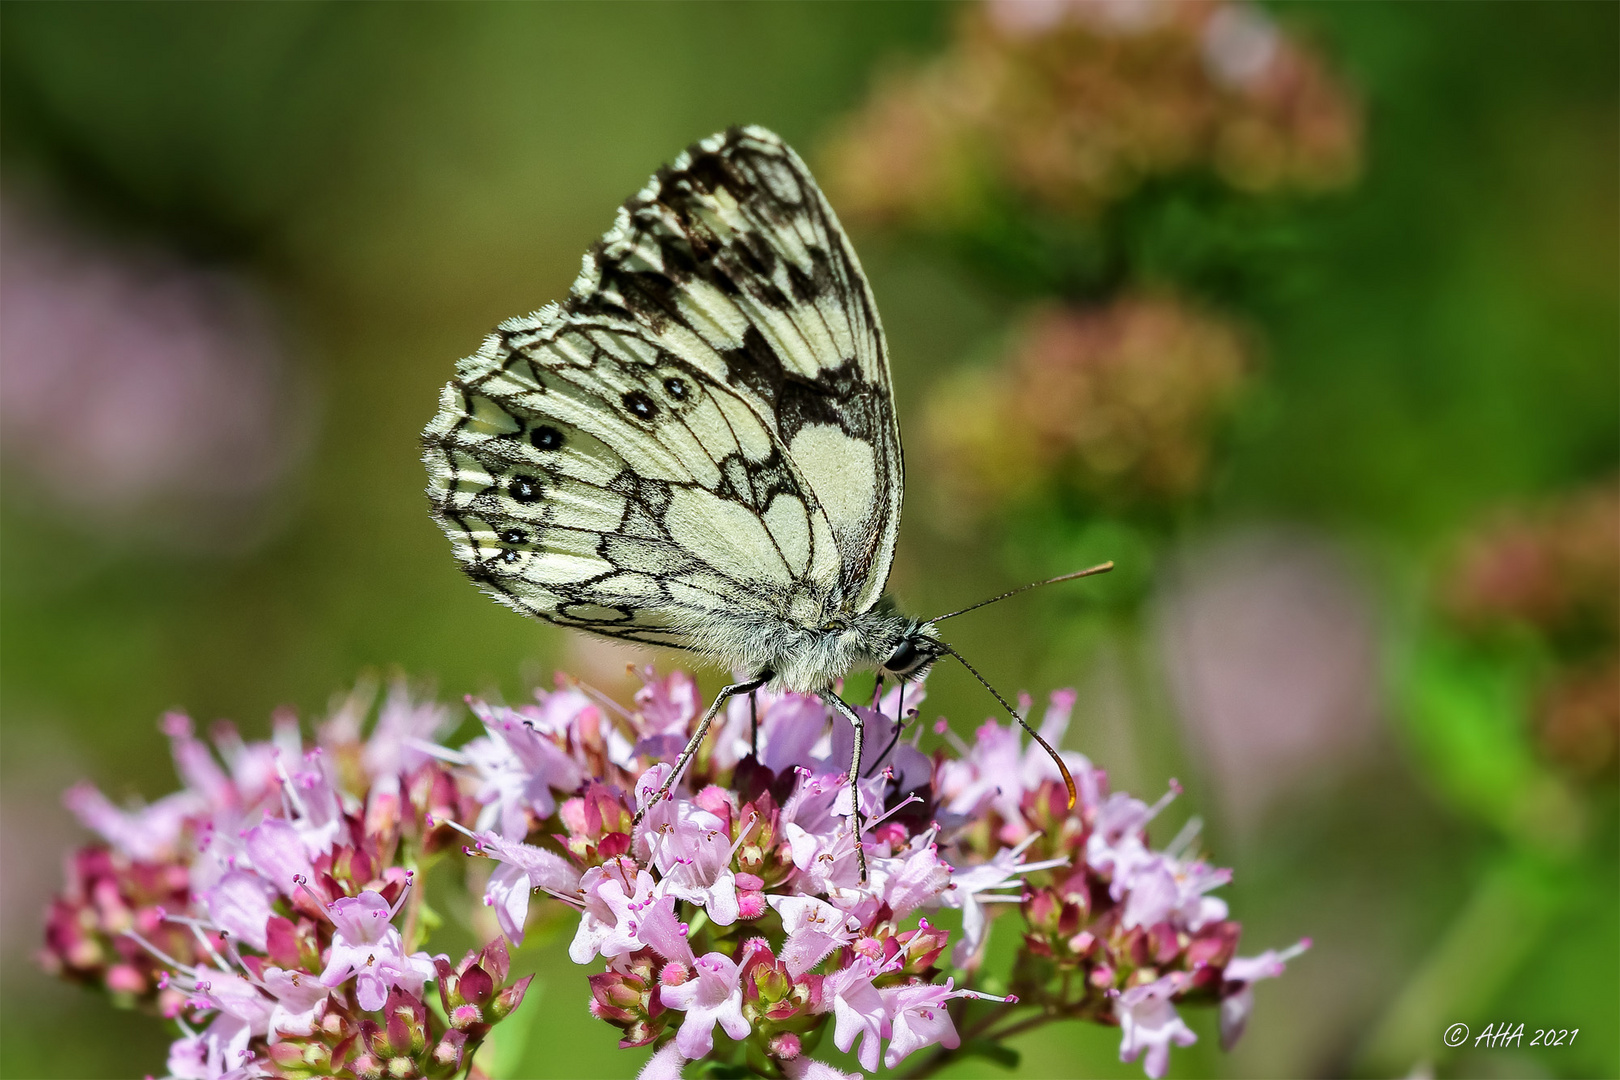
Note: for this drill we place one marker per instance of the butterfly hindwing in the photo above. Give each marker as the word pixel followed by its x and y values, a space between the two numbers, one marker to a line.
pixel 705 428
pixel 733 255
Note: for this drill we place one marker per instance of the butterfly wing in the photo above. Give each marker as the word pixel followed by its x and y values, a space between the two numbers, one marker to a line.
pixel 705 428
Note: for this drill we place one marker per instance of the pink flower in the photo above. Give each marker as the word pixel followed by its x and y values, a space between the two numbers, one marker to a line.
pixel 806 1068
pixel 240 905
pixel 1161 889
pixel 196 765
pixel 222 1047
pixel 316 807
pixel 918 1018
pixel 997 769
pixel 523 868
pixel 615 894
pixel 790 725
pixel 909 881
pixel 1237 994
pixel 858 1009
pixel 814 929
pixel 403 736
pixel 277 852
pixel 518 765
pixel 911 768
pixel 665 1064
pixel 666 708
pixel 1115 846
pixel 666 934
pixel 693 853
pixel 150 833
pixel 367 946
pixel 299 997
pixel 973 887
pixel 712 996
pixel 1148 1021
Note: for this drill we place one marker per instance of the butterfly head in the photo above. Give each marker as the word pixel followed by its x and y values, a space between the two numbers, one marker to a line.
pixel 913 651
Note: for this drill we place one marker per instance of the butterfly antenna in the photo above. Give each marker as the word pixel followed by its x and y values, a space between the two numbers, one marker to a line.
pixel 1100 568
pixel 1068 781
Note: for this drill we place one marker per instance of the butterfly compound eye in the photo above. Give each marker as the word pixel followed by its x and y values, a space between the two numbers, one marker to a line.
pixel 905 658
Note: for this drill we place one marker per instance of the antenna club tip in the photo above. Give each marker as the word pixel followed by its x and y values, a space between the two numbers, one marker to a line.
pixel 1068 781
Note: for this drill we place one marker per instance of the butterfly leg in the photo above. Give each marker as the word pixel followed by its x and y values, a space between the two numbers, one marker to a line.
pixel 859 823
pixel 725 695
pixel 753 724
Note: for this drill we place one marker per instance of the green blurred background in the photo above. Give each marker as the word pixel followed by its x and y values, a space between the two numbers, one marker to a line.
pixel 327 204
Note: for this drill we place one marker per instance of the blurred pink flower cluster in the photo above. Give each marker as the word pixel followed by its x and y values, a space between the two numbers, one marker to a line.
pixel 269 908
pixel 1121 402
pixel 138 389
pixel 1072 104
pixel 1553 571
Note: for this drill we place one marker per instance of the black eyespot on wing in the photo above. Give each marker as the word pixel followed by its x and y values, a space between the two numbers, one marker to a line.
pixel 546 437
pixel 640 405
pixel 675 388
pixel 510 557
pixel 513 536
pixel 525 489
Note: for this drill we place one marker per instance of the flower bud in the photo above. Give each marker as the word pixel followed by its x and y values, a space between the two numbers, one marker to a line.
pixel 785 1046
pixel 447 1052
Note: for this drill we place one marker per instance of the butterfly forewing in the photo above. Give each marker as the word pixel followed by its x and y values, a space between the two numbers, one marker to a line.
pixel 705 428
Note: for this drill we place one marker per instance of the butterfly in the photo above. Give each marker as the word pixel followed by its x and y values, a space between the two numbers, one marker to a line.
pixel 698 448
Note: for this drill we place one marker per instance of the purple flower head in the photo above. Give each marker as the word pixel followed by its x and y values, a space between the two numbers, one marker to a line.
pixel 272 985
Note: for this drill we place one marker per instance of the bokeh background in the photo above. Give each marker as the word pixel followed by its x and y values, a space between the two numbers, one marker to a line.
pixel 1304 314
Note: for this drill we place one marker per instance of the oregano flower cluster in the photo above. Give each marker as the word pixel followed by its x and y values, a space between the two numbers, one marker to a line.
pixel 272 910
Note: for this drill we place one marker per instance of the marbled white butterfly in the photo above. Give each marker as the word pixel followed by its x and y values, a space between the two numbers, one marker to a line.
pixel 698 448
